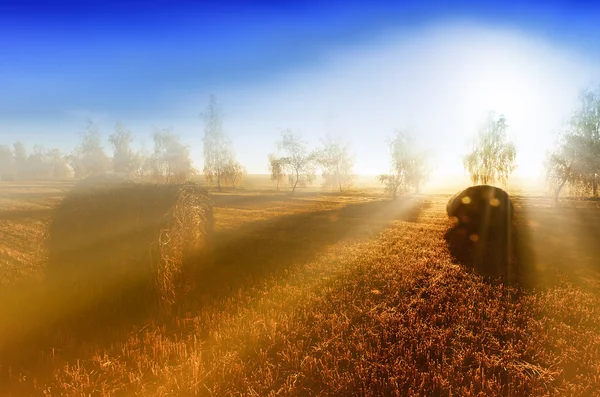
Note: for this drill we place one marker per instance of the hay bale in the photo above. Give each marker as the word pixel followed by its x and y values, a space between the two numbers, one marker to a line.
pixel 115 240
pixel 481 208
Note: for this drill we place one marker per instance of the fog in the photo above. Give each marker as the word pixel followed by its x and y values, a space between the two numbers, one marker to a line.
pixel 437 82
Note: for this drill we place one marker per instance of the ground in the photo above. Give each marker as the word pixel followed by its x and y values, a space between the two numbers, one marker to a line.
pixel 324 294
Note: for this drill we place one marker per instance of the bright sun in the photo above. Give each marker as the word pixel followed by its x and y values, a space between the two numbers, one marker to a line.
pixel 507 84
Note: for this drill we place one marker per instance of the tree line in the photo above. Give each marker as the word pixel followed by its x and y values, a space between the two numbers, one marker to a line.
pixel 573 163
pixel 169 161
pixel 294 160
pixel 297 164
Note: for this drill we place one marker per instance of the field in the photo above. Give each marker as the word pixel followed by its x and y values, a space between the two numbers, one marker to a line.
pixel 323 294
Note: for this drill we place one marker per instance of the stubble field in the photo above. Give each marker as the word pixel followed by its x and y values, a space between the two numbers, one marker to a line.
pixel 323 294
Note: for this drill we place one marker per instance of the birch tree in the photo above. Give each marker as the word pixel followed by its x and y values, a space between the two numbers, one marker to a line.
pixel 337 163
pixel 276 170
pixel 407 166
pixel 298 162
pixel 492 157
pixel 217 147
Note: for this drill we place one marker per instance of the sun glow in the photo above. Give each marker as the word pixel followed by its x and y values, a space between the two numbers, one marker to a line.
pixel 515 78
pixel 447 82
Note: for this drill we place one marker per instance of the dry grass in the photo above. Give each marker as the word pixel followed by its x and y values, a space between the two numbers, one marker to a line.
pixel 346 295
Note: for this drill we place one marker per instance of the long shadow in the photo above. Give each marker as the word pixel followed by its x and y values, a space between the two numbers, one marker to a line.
pixel 502 254
pixel 237 257
pixel 565 242
pixel 546 244
pixel 27 196
pixel 250 199
pixel 19 215
pixel 270 247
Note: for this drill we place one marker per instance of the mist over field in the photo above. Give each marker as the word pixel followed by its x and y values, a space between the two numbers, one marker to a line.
pixel 302 199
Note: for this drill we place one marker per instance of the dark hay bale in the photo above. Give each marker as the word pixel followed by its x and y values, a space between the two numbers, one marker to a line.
pixel 113 240
pixel 481 236
pixel 481 208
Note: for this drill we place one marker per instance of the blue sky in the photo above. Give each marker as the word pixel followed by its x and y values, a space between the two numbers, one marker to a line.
pixel 353 69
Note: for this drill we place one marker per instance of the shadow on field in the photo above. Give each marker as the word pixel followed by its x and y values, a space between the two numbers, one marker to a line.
pixel 235 199
pixel 19 215
pixel 267 247
pixel 564 241
pixel 250 200
pixel 545 244
pixel 504 253
pixel 30 196
pixel 237 257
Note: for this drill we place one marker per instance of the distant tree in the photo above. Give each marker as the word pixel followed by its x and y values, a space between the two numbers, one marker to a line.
pixel 19 160
pixel 298 162
pixel 337 163
pixel 59 164
pixel 492 157
pixel 141 164
pixel 123 156
pixel 585 125
pixel 419 172
pixel 171 159
pixel 575 161
pixel 276 169
pixel 407 166
pixel 217 147
pixel 563 165
pixel 88 158
pixel 233 173
pixel 6 163
pixel 38 165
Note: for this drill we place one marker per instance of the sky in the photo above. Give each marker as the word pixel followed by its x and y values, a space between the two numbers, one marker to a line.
pixel 356 70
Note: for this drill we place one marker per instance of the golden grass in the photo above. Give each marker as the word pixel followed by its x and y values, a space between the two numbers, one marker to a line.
pixel 342 295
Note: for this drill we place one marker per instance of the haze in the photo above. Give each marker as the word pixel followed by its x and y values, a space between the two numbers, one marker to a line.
pixel 346 72
pixel 310 199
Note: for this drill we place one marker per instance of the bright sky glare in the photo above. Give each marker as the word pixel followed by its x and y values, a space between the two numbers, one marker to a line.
pixel 436 78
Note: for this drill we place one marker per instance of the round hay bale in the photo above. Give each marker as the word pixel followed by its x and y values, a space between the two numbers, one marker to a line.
pixel 115 240
pixel 481 208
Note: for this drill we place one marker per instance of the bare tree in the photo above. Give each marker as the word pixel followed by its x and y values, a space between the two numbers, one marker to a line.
pixel 407 165
pixel 233 173
pixel 492 157
pixel 123 156
pixel 217 147
pixel 585 125
pixel 88 158
pixel 276 170
pixel 575 161
pixel 336 163
pixel 298 162
pixel 171 160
